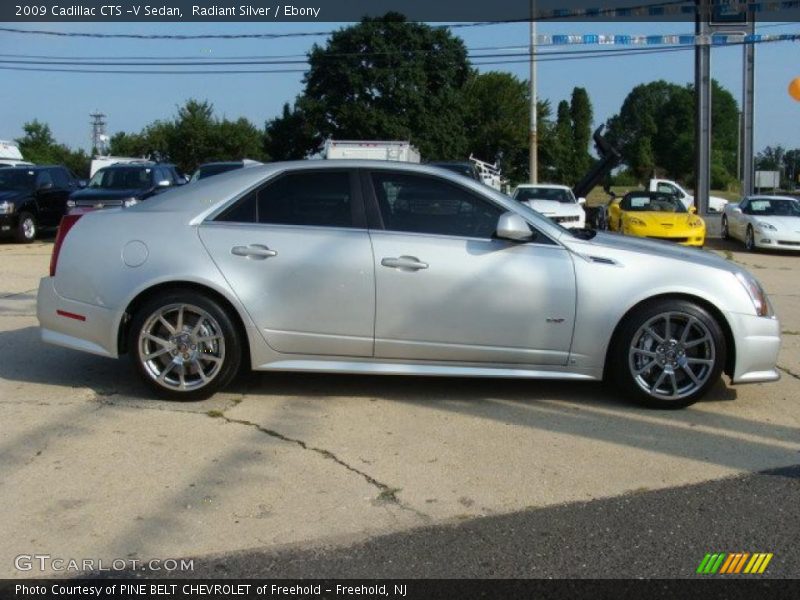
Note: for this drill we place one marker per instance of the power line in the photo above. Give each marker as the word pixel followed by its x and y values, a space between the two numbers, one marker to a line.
pixel 502 59
pixel 596 50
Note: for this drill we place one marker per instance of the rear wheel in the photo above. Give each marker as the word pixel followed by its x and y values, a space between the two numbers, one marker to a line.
pixel 725 233
pixel 185 345
pixel 668 354
pixel 26 228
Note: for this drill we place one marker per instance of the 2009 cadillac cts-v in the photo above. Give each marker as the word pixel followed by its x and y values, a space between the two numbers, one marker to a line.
pixel 373 267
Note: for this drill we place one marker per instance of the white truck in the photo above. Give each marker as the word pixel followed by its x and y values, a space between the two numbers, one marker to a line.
pixel 10 156
pixel 715 204
pixel 401 151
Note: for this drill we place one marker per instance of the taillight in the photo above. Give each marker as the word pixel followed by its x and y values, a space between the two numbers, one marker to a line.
pixel 67 221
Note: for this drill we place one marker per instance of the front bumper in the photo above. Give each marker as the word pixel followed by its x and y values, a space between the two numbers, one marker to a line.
pixel 9 223
pixel 75 325
pixel 691 237
pixel 757 340
pixel 774 240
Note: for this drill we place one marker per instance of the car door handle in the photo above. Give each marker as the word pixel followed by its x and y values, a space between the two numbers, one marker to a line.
pixel 254 251
pixel 405 263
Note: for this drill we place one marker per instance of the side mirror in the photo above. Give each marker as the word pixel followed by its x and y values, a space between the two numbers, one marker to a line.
pixel 43 187
pixel 82 183
pixel 510 226
pixel 164 183
pixel 736 209
pixel 693 210
pixel 581 201
pixel 182 181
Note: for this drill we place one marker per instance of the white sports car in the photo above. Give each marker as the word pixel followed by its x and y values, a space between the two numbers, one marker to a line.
pixel 764 222
pixel 556 202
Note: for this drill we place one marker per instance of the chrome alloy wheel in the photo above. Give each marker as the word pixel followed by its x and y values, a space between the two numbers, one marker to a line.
pixel 672 355
pixel 181 347
pixel 29 228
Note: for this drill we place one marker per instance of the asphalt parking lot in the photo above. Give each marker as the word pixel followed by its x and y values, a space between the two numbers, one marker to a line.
pixel 93 467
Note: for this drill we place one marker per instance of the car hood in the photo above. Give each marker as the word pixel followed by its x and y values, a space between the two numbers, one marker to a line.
pixel 12 195
pixel 611 241
pixel 662 220
pixel 781 223
pixel 553 207
pixel 98 194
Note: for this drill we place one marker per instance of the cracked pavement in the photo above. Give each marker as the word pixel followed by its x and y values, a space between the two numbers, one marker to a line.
pixel 92 467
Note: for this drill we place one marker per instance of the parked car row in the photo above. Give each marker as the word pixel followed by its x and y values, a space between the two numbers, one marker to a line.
pixel 35 197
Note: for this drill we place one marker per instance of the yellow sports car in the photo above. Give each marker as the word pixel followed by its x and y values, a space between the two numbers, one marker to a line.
pixel 657 216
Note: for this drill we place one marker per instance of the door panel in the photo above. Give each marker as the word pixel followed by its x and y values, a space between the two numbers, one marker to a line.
pixel 473 300
pixel 314 295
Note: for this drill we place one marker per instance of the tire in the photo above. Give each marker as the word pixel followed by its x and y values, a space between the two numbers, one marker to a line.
pixel 26 228
pixel 725 233
pixel 670 371
pixel 750 239
pixel 184 345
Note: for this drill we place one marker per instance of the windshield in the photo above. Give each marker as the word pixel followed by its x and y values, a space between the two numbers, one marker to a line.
pixel 122 178
pixel 543 193
pixel 209 170
pixel 17 179
pixel 775 207
pixel 652 203
pixel 463 169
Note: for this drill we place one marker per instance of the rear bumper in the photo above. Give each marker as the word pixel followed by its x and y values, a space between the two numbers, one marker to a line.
pixel 758 341
pixel 75 325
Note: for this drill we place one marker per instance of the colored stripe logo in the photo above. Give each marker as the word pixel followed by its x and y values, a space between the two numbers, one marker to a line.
pixel 733 563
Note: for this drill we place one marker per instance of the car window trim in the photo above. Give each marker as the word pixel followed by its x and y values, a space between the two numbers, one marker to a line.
pixel 356 199
pixel 375 219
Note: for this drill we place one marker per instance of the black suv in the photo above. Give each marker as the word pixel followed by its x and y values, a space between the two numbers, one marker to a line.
pixel 125 184
pixel 32 198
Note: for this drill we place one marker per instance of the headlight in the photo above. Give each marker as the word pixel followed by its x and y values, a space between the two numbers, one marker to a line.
pixel 636 222
pixel 129 202
pixel 766 226
pixel 6 207
pixel 756 293
pixel 71 204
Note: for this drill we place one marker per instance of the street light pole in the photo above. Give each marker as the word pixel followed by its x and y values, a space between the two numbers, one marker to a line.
pixel 533 141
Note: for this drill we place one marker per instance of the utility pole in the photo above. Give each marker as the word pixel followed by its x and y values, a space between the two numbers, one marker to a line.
pixel 702 100
pixel 98 131
pixel 748 101
pixel 533 141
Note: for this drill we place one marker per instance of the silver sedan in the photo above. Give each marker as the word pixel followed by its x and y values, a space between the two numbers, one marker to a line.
pixel 375 267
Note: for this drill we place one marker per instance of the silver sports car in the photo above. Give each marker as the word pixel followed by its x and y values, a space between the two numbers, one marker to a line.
pixel 376 267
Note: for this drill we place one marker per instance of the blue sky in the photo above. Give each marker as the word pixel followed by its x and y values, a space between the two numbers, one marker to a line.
pixel 64 100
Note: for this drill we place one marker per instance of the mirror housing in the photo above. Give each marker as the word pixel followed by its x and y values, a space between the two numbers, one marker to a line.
pixel 43 187
pixel 163 183
pixel 693 210
pixel 511 226
pixel 581 201
pixel 736 209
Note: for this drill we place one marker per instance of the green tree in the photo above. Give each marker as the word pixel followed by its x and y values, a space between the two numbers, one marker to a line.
pixel 39 146
pixel 290 136
pixel 581 115
pixel 497 121
pixel 385 78
pixel 654 131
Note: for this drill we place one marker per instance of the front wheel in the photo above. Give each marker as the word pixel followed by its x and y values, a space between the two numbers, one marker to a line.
pixel 750 239
pixel 185 345
pixel 668 354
